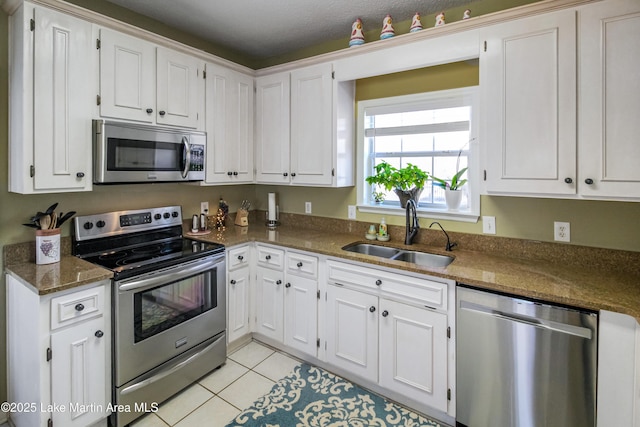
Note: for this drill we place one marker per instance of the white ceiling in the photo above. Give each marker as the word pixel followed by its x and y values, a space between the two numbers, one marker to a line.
pixel 267 28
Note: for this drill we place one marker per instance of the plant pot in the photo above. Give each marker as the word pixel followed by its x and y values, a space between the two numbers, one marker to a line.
pixel 405 195
pixel 453 198
pixel 47 246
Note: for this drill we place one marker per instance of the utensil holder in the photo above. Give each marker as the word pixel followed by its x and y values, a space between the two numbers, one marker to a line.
pixel 48 246
pixel 242 218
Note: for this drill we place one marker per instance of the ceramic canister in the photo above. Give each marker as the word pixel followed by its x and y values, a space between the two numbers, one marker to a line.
pixel 47 246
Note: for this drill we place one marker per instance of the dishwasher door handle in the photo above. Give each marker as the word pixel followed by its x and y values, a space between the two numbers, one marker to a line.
pixel 530 321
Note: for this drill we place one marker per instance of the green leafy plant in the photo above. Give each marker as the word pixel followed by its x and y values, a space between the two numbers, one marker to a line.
pixel 390 177
pixel 379 196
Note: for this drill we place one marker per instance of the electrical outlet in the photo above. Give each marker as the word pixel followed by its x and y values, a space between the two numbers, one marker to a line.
pixel 352 211
pixel 307 207
pixel 489 224
pixel 204 207
pixel 561 231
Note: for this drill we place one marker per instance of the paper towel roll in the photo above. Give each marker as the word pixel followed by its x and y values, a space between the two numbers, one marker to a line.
pixel 272 206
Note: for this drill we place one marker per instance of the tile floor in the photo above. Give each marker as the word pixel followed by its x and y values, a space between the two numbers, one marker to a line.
pixel 217 398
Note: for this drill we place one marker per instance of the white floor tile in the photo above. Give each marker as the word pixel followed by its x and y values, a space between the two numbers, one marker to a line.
pixel 246 390
pixel 251 354
pixel 276 366
pixel 179 406
pixel 214 413
pixel 223 376
pixel 149 420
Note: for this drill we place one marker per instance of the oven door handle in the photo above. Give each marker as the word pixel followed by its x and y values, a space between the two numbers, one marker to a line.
pixel 163 374
pixel 161 277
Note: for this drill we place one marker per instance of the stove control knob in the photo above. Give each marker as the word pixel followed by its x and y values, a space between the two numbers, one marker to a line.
pixel 100 224
pixel 88 225
pixel 157 217
pixel 166 215
pixel 174 214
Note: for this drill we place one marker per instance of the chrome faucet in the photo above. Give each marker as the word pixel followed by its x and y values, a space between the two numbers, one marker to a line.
pixel 450 245
pixel 412 223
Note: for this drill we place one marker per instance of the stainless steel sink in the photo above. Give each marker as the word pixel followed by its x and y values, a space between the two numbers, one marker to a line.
pixel 424 259
pixel 369 249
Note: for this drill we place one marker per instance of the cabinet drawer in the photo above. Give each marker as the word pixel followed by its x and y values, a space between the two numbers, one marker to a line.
pixel 302 264
pixel 270 257
pixel 77 306
pixel 424 291
pixel 238 257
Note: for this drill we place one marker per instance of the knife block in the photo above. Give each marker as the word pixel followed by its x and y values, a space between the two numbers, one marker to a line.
pixel 242 218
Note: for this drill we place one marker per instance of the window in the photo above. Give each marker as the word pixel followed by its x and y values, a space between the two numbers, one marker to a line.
pixel 434 131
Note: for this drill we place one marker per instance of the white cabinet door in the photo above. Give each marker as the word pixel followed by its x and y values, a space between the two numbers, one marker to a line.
pixel 180 87
pixel 528 86
pixel 413 352
pixel 62 113
pixel 269 303
pixel 229 126
pixel 301 314
pixel 79 374
pixel 272 129
pixel 238 306
pixel 127 77
pixel 352 331
pixel 609 100
pixel 311 125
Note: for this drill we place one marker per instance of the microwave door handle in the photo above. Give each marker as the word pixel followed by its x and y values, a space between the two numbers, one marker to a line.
pixel 187 156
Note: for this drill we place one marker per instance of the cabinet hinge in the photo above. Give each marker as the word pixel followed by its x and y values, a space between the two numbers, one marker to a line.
pixel 485 174
pixel 98 44
pixel 318 294
pixel 485 45
pixel 32 171
pixel 49 354
pixel 448 331
pixel 98 100
pixel 333 171
pixel 204 74
pixel 32 24
pixel 448 394
pixel 318 343
pixel 49 422
pixel 333 75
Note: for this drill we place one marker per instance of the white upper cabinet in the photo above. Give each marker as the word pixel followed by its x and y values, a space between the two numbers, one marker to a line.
pixel 311 110
pixel 305 128
pixel 127 77
pixel 609 99
pixel 142 82
pixel 528 110
pixel 272 129
pixel 229 125
pixel 52 61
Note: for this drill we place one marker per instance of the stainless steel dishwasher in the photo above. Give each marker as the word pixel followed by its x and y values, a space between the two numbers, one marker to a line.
pixel 523 363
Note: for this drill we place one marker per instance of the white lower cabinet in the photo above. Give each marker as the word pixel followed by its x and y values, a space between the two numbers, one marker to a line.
pixel 391 329
pixel 238 291
pixel 58 355
pixel 286 298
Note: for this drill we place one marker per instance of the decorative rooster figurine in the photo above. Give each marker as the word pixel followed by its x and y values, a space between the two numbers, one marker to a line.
pixel 416 24
pixel 387 28
pixel 357 36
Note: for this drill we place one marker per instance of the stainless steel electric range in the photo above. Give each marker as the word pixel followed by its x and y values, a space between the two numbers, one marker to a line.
pixel 168 303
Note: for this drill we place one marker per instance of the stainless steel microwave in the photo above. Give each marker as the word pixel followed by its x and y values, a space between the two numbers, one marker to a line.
pixel 129 153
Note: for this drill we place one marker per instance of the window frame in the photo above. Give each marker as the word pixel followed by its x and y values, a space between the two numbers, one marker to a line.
pixel 445 98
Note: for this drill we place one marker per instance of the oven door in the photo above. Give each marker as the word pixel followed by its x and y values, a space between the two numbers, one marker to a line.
pixel 159 315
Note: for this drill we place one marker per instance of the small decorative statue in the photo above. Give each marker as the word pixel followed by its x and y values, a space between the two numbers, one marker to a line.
pixel 357 35
pixel 387 28
pixel 440 19
pixel 416 24
pixel 466 14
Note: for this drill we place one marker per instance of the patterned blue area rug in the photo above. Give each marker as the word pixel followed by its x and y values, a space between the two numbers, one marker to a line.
pixel 312 397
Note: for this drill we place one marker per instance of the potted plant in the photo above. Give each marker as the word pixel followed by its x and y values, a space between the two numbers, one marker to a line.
pixel 379 196
pixel 452 193
pixel 407 182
